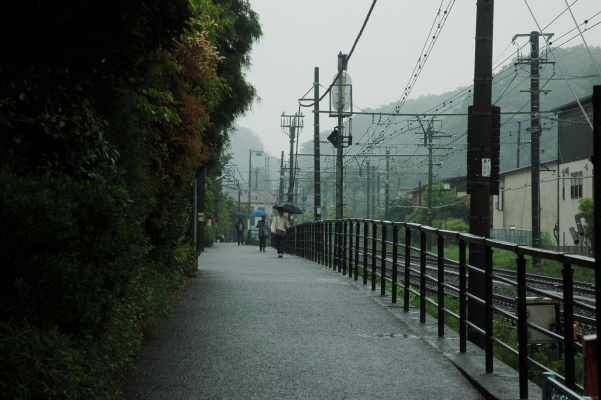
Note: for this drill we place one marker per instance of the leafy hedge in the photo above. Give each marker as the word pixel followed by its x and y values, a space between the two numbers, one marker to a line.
pixel 105 121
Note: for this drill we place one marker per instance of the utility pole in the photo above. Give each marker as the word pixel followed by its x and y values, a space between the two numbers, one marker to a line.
pixel 387 187
pixel 294 125
pixel 373 193
pixel 368 194
pixel 535 131
pixel 431 145
pixel 341 106
pixel 478 156
pixel 316 150
pixel 377 192
pixel 281 190
pixel 519 143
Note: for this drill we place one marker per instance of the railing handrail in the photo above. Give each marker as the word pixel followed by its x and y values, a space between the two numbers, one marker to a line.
pixel 337 244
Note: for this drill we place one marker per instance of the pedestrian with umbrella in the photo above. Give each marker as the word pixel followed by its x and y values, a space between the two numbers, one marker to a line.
pixel 278 228
pixel 263 231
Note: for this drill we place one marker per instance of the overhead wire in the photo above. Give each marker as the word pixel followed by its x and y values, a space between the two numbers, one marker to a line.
pixel 348 57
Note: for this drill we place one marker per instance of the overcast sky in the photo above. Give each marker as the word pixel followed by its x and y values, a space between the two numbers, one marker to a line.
pixel 299 35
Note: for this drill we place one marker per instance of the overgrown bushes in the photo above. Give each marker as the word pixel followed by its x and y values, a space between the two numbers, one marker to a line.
pixel 105 121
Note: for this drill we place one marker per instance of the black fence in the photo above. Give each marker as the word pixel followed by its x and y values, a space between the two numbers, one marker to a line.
pixel 397 253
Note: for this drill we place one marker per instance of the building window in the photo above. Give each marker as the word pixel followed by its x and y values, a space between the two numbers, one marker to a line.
pixel 576 185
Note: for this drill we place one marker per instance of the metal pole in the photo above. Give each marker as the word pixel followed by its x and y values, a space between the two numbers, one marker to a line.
pixel 479 138
pixel 316 152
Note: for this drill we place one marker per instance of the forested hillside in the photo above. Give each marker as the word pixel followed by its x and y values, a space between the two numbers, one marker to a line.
pixel 373 134
pixel 107 112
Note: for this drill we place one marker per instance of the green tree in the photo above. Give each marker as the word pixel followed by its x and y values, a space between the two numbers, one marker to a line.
pixel 586 208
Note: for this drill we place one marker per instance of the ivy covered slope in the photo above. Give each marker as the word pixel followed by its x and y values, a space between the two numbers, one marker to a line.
pixel 107 109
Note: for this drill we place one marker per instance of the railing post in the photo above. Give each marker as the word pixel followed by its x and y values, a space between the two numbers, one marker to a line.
pixel 350 247
pixel 395 263
pixel 343 247
pixel 383 264
pixel 441 286
pixel 374 248
pixel 522 327
pixel 407 278
pixel 336 246
pixel 365 233
pixel 328 247
pixel 568 324
pixel 322 238
pixel 358 236
pixel 488 313
pixel 422 276
pixel 462 299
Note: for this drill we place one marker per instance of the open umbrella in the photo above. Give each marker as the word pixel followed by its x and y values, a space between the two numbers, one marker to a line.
pixel 258 213
pixel 289 208
pixel 239 215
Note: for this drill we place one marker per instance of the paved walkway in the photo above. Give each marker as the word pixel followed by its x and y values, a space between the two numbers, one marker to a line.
pixel 251 325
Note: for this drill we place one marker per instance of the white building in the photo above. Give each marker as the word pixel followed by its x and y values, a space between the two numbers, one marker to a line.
pixel 563 182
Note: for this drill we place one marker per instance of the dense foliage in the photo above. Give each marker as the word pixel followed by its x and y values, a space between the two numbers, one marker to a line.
pixel 107 111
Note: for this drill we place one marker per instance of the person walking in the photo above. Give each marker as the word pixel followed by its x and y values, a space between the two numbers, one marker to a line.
pixel 278 228
pixel 240 231
pixel 263 232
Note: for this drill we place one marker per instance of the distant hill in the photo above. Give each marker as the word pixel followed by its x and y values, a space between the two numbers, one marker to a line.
pixel 373 134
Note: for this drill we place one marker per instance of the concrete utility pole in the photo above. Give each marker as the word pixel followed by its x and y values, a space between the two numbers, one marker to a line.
pixel 387 187
pixel 519 144
pixel 339 172
pixel 316 151
pixel 250 175
pixel 281 190
pixel 431 145
pixel 373 193
pixel 341 106
pixel 368 193
pixel 378 191
pixel 597 210
pixel 535 131
pixel 479 145
pixel 294 125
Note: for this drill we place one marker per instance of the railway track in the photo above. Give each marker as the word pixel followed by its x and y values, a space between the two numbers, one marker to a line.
pixel 544 285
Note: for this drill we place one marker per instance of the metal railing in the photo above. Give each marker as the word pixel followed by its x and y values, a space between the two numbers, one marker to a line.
pixel 361 247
